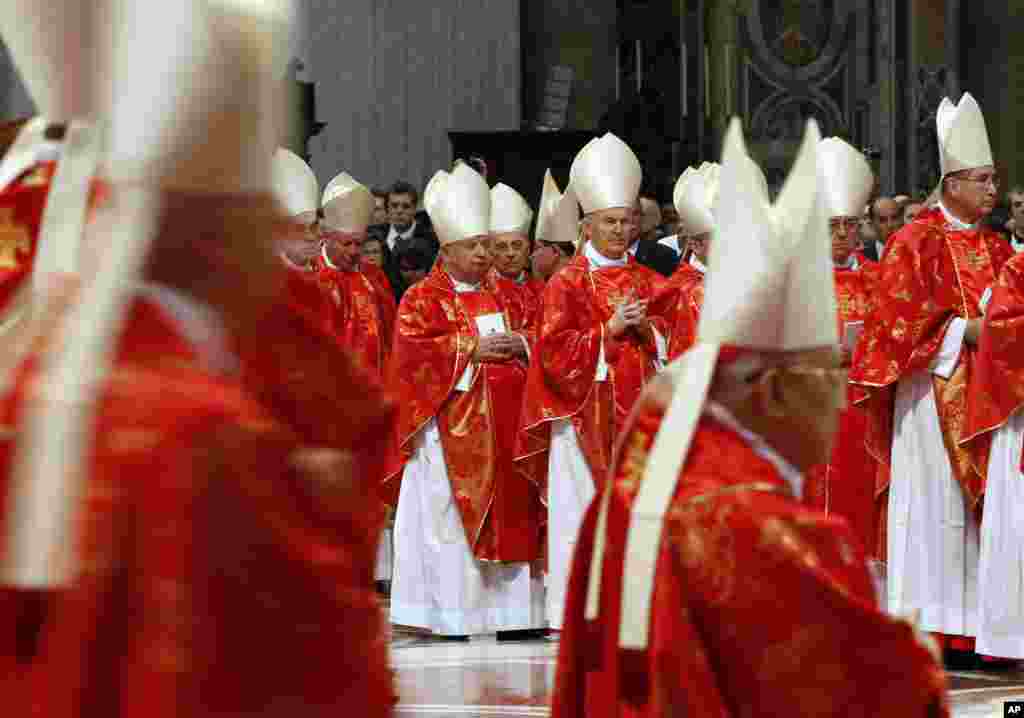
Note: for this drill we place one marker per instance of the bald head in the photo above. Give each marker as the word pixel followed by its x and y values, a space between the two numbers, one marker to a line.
pixel 887 216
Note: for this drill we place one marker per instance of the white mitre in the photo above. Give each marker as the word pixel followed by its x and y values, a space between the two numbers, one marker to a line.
pixel 769 287
pixel 510 213
pixel 56 46
pixel 459 204
pixel 295 186
pixel 846 178
pixel 347 205
pixel 694 198
pixel 606 174
pixel 192 105
pixel 962 135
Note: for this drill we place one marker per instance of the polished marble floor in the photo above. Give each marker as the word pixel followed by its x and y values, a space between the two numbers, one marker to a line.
pixel 487 678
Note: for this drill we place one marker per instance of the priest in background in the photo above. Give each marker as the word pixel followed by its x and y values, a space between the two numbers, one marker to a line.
pixel 508 278
pixel 360 302
pixel 465 543
pixel 600 339
pixel 555 232
pixel 119 486
pixel 845 486
pixel 915 363
pixel 701 585
pixel 298 193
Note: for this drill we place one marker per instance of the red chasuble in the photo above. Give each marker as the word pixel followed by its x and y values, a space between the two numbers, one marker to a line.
pixel 931 273
pixel 846 485
pixel 435 335
pixel 222 571
pixel 361 313
pixel 997 387
pixel 687 284
pixel 21 212
pixel 520 301
pixel 304 292
pixel 762 607
pixel 578 302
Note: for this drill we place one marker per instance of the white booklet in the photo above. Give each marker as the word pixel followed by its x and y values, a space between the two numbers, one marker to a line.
pixel 851 334
pixel 488 324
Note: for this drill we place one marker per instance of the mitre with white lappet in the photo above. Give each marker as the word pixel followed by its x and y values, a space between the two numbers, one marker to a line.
pixel 558 218
pixel 694 197
pixel 459 204
pixel 962 135
pixel 769 288
pixel 510 213
pixel 846 178
pixel 295 186
pixel 605 174
pixel 347 206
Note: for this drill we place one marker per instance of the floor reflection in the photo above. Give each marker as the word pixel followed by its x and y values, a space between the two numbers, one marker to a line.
pixel 487 678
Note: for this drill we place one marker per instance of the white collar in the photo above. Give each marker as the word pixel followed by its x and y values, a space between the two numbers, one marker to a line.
pixel 697 264
pixel 199 322
pixel 521 279
pixel 759 446
pixel 957 223
pixel 323 253
pixel 463 287
pixel 394 234
pixel 599 261
pixel 633 247
pixel 1016 242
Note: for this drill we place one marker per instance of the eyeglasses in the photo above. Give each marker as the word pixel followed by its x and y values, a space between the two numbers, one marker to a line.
pixel 850 223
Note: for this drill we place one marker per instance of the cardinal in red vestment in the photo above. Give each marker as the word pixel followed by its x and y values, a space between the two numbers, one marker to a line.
pixel 994 400
pixel 913 367
pixel 298 192
pixel 601 337
pixel 701 585
pixel 361 303
pixel 181 549
pixel 845 486
pixel 465 527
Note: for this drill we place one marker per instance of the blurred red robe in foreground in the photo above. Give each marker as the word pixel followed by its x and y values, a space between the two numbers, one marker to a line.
pixel 762 607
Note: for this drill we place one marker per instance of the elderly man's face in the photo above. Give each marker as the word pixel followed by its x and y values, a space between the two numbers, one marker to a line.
pixel 888 218
pixel 510 252
pixel 611 231
pixel 343 249
pixel 844 237
pixel 468 259
pixel 973 192
pixel 911 211
pixel 380 210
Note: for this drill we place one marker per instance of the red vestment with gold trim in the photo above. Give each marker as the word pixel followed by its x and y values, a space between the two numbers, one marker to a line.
pixel 361 313
pixel 846 485
pixel 217 564
pixel 931 273
pixel 578 301
pixel 21 213
pixel 687 282
pixel 737 548
pixel 436 335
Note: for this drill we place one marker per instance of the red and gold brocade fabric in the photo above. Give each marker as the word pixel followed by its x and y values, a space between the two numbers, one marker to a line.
pixel 435 336
pixel 361 310
pixel 931 273
pixel 21 213
pixel 761 606
pixel 578 301
pixel 997 387
pixel 846 485
pixel 687 284
pixel 221 569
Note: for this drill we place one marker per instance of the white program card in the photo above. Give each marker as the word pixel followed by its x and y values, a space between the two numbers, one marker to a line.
pixel 851 334
pixel 488 324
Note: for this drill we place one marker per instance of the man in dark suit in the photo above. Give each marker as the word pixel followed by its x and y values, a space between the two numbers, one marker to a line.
pixel 887 218
pixel 405 230
pixel 645 248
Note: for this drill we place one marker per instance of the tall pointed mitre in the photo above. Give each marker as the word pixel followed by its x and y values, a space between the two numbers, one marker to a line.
pixel 962 135
pixel 295 186
pixel 459 204
pixel 559 215
pixel 510 213
pixel 769 287
pixel 192 106
pixel 347 205
pixel 694 197
pixel 846 178
pixel 56 47
pixel 606 174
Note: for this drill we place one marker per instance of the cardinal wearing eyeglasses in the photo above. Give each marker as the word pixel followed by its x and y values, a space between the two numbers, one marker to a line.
pixel 914 364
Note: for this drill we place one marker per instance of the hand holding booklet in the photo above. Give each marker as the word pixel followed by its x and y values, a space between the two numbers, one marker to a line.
pixel 488 324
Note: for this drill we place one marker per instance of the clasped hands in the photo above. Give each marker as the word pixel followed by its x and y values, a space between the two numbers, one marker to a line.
pixel 630 313
pixel 499 348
